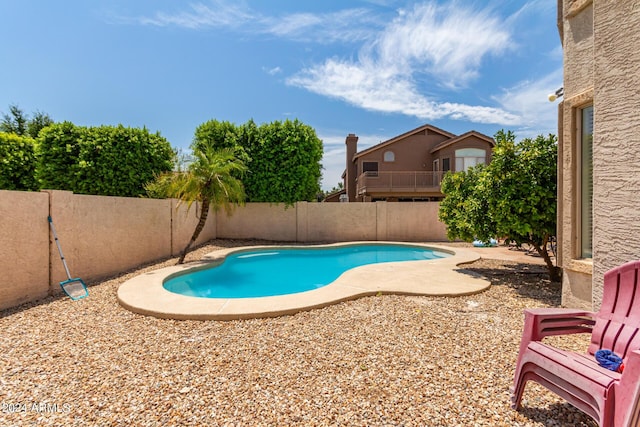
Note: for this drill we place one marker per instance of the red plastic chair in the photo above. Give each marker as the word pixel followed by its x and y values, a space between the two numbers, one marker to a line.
pixel 610 398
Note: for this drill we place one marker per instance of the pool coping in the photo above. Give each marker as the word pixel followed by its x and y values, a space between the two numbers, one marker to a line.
pixel 144 294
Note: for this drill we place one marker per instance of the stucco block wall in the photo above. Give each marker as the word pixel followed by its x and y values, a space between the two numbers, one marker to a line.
pixel 184 221
pixel 330 222
pixel 24 247
pixel 340 222
pixel 413 222
pixel 258 221
pixel 576 289
pixel 102 236
pixel 578 45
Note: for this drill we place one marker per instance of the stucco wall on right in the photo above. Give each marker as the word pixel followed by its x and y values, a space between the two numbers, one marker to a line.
pixel 601 47
pixel 578 45
pixel 616 152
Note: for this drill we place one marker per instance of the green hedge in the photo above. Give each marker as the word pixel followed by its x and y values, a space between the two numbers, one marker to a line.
pixel 17 163
pixel 283 157
pixel 285 162
pixel 105 160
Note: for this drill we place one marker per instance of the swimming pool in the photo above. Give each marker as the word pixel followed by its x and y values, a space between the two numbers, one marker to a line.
pixel 145 293
pixel 271 272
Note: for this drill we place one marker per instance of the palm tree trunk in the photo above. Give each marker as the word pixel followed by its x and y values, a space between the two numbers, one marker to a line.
pixel 196 232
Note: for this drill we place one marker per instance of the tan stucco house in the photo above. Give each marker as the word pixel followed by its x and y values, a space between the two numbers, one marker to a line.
pixel 599 144
pixel 409 167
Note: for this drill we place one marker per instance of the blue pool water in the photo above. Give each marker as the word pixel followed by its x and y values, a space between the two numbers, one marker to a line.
pixel 269 272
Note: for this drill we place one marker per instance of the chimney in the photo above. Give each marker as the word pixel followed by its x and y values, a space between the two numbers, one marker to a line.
pixel 351 169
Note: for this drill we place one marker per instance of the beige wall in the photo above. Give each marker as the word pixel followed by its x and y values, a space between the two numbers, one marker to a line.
pixel 616 154
pixel 104 236
pixel 338 221
pixel 413 153
pixel 99 236
pixel 258 221
pixel 578 92
pixel 24 247
pixel 414 222
pixel 183 223
pixel 330 222
pixel 601 45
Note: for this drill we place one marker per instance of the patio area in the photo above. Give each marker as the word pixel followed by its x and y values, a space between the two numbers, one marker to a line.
pixel 379 360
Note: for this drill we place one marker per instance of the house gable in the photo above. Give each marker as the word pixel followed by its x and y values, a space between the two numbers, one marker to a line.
pixel 472 137
pixel 425 130
pixel 407 152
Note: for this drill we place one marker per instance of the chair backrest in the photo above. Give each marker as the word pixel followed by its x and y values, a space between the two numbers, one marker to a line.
pixel 618 320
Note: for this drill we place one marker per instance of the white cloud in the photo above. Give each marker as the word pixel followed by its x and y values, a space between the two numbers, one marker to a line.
pixel 373 88
pixel 272 71
pixel 528 99
pixel 447 43
pixel 349 25
pixel 219 13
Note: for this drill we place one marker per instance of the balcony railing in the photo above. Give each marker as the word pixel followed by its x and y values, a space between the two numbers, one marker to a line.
pixel 400 182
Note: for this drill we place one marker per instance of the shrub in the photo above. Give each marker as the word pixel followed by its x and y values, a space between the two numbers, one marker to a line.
pixel 17 163
pixel 105 160
pixel 285 162
pixel 283 157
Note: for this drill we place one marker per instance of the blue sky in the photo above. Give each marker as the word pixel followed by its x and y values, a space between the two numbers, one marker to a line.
pixel 376 68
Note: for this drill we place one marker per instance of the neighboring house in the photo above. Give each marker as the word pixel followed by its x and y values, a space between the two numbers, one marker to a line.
pixel 410 166
pixel 336 196
pixel 599 144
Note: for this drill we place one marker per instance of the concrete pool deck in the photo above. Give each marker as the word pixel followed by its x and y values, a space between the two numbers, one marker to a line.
pixel 145 294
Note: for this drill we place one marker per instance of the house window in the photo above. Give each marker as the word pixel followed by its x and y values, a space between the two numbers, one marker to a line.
pixel 585 186
pixel 446 165
pixel 389 156
pixel 436 165
pixel 469 157
pixel 370 168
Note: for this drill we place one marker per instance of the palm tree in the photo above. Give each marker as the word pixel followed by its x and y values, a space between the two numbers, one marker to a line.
pixel 210 180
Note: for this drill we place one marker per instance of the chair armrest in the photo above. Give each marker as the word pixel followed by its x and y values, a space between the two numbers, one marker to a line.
pixel 627 392
pixel 544 322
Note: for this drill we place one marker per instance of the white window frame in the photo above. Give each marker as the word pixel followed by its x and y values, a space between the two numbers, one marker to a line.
pixel 466 158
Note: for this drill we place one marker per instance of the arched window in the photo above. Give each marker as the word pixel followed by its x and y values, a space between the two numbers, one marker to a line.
pixel 389 156
pixel 469 157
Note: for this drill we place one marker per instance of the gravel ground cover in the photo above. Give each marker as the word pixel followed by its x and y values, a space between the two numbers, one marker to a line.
pixel 377 361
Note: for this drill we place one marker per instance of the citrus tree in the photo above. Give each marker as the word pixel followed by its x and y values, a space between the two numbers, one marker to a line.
pixel 465 208
pixel 513 197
